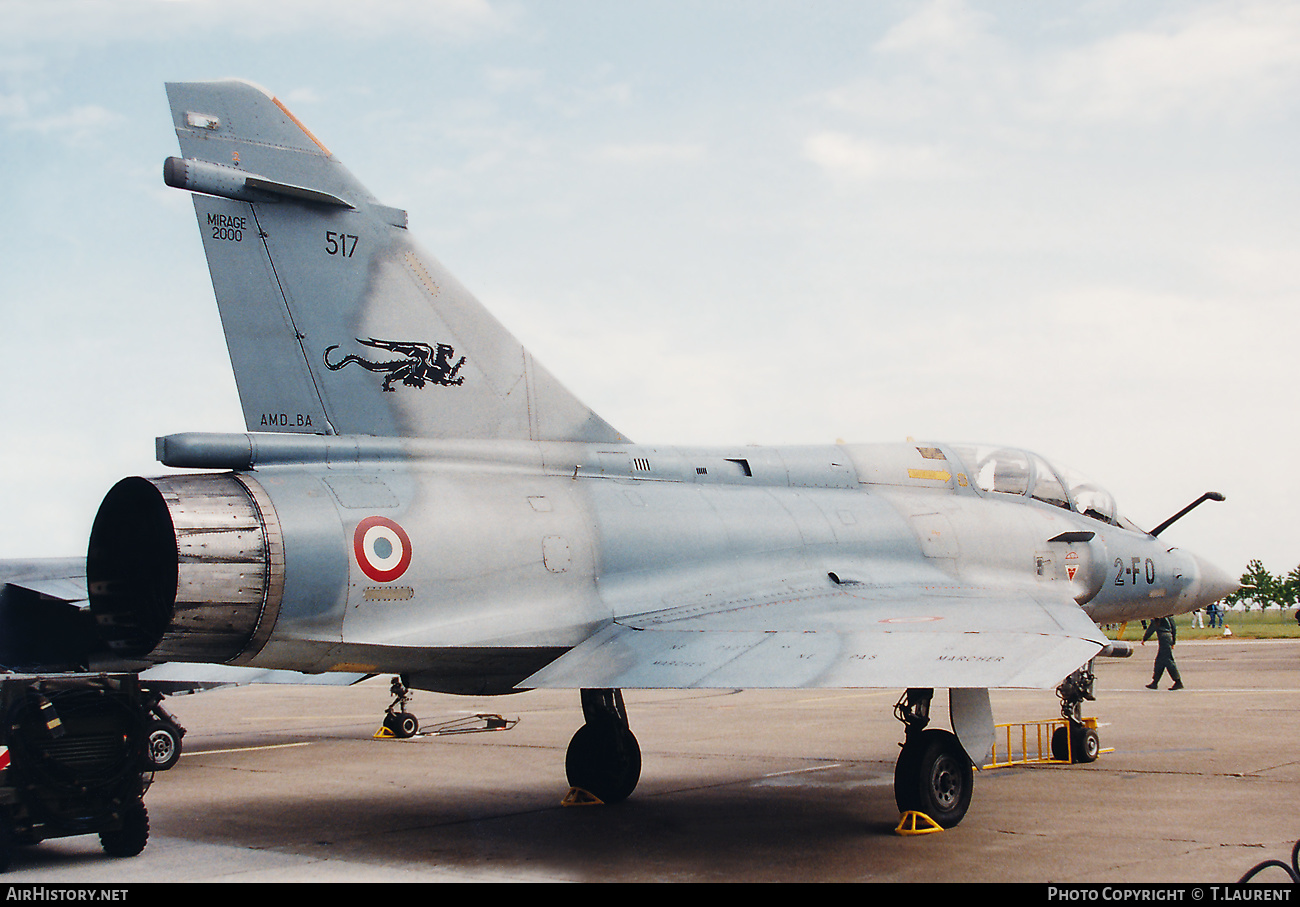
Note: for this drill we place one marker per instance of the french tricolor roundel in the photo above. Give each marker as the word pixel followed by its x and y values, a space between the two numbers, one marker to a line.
pixel 382 547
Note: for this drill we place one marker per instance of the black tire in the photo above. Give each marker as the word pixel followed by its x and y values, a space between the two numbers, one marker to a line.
pixel 401 724
pixel 131 835
pixel 1060 744
pixel 604 759
pixel 1086 744
pixel 163 747
pixel 934 776
pixel 405 725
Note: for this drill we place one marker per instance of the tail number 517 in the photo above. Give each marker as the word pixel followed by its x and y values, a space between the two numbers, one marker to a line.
pixel 340 244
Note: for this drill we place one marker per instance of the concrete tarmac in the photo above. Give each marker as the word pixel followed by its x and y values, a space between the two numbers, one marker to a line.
pixel 285 784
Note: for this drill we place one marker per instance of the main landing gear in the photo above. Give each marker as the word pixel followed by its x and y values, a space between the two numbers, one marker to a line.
pixel 604 759
pixel 1076 742
pixel 397 720
pixel 163 747
pixel 933 775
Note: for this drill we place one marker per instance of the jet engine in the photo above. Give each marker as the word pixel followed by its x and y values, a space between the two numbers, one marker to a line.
pixel 186 568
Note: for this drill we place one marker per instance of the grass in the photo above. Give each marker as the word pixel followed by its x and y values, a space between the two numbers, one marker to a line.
pixel 1271 624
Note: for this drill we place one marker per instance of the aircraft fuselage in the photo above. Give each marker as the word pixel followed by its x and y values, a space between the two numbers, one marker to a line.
pixel 470 565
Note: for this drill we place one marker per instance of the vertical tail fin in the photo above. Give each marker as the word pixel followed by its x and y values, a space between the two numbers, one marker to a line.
pixel 336 323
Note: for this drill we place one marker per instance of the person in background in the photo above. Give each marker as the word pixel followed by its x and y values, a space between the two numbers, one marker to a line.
pixel 1166 636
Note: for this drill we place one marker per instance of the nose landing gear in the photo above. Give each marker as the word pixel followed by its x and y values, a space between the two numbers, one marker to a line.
pixel 1076 742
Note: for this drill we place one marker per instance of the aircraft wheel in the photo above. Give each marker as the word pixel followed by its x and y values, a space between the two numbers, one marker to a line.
pixel 1060 744
pixel 130 838
pixel 1086 744
pixel 164 745
pixel 934 776
pixel 604 759
pixel 402 724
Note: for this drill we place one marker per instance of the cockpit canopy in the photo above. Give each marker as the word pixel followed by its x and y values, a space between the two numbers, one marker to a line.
pixel 1008 470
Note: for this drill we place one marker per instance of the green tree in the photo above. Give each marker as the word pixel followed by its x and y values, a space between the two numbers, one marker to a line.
pixel 1289 589
pixel 1257 585
pixel 1263 588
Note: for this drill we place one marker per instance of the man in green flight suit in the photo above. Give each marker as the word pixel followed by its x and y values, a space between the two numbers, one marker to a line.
pixel 1166 635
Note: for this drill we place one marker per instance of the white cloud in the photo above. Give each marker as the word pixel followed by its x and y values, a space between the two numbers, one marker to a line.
pixel 863 160
pixel 299 95
pixel 649 152
pixel 940 26
pixel 1207 62
pixel 1202 63
pixel 75 22
pixel 503 78
pixel 13 105
pixel 86 116
pixel 78 124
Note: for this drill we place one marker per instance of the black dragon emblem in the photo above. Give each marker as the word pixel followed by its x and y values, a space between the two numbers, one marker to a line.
pixel 422 364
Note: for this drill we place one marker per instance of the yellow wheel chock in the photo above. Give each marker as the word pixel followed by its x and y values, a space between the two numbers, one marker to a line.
pixel 912 822
pixel 579 797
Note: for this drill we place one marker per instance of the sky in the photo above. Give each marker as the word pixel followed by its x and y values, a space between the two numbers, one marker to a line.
pixel 1071 227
